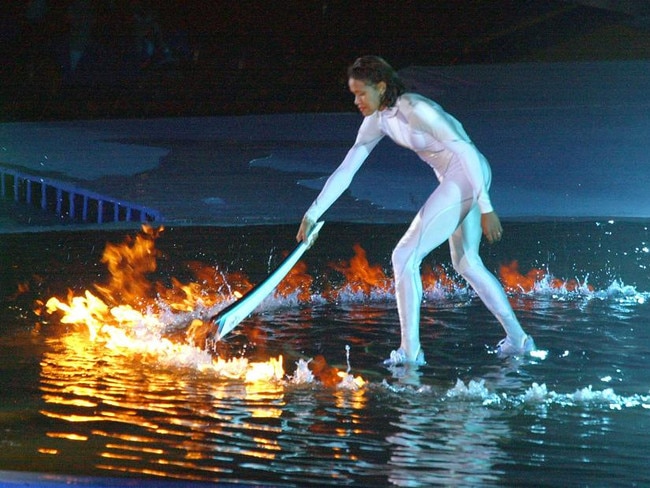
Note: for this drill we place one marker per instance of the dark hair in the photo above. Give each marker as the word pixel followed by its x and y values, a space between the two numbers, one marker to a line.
pixel 372 70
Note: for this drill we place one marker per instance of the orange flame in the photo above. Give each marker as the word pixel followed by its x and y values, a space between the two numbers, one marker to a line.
pixel 514 281
pixel 297 279
pixel 128 264
pixel 437 278
pixel 118 318
pixel 331 376
pixel 360 275
pixel 114 320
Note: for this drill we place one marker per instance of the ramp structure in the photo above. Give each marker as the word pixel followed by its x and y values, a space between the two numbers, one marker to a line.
pixel 68 200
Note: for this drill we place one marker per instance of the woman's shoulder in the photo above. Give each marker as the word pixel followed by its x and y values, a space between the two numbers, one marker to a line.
pixel 419 106
pixel 414 100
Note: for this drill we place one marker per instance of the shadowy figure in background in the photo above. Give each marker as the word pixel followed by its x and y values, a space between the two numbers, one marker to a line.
pixel 82 17
pixel 30 70
pixel 148 40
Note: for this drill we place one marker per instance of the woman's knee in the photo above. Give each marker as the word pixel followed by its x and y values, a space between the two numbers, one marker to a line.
pixel 398 258
pixel 403 258
pixel 466 264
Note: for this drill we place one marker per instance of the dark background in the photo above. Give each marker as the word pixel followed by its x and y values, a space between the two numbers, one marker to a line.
pixel 180 58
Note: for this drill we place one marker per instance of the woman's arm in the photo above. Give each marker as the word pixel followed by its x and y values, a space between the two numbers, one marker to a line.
pixel 334 187
pixel 368 137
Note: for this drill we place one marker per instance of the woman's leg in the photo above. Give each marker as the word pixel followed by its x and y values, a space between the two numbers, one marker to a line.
pixel 434 224
pixel 464 246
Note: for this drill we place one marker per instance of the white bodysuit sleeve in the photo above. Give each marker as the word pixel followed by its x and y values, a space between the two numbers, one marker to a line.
pixel 449 132
pixel 367 138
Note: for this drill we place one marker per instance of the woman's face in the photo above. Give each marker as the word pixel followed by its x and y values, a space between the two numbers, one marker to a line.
pixel 367 98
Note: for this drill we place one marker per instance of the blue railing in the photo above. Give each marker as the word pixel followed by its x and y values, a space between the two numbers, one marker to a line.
pixel 68 200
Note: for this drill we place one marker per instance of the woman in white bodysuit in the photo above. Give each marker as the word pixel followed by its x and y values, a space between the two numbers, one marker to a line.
pixel 459 209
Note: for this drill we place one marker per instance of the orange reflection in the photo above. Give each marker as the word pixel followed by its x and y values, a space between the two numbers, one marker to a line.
pixel 70 437
pixel 134 414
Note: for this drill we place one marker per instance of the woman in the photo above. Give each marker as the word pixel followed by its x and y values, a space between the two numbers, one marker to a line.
pixel 457 210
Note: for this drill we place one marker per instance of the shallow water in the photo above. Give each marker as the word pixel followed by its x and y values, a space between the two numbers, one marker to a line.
pixel 576 416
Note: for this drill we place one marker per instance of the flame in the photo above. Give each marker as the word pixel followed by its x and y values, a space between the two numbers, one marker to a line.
pixel 124 321
pixel 333 377
pixel 298 280
pixel 437 278
pixel 363 277
pixel 360 275
pixel 271 370
pixel 128 265
pixel 514 281
pixel 131 315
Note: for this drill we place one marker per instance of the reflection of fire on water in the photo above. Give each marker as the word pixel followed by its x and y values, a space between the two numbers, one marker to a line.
pixel 131 315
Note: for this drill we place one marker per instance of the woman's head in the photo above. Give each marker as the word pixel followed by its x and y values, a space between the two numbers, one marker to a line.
pixel 378 80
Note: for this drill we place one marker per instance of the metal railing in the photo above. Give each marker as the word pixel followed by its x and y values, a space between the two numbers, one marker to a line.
pixel 68 200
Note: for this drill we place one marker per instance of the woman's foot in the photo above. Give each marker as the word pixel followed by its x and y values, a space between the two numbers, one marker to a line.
pixel 506 347
pixel 398 358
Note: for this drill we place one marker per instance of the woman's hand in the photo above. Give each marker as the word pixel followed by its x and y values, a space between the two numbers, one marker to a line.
pixel 305 229
pixel 491 225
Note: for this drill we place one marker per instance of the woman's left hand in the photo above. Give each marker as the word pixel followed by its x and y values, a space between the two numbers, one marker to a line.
pixel 491 225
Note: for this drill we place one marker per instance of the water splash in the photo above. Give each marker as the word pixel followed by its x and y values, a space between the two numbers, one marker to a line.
pixel 536 394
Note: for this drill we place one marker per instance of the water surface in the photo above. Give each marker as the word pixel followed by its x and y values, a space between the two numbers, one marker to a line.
pixel 576 416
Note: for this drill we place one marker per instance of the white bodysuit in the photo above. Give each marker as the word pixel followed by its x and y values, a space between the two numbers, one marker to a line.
pixel 451 212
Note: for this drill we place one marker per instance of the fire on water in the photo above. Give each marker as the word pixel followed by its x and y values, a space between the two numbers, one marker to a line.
pixel 131 315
